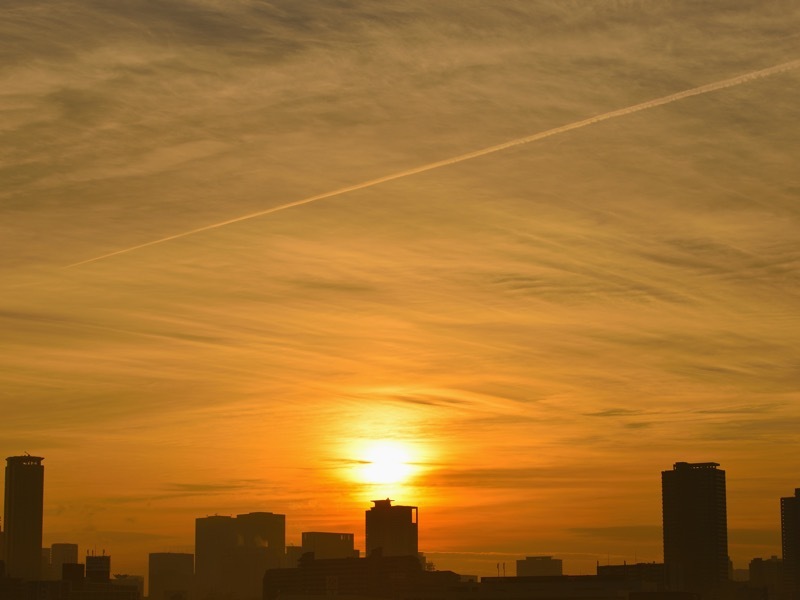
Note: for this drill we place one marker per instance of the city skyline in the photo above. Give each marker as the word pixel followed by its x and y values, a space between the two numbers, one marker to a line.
pixel 694 533
pixel 508 260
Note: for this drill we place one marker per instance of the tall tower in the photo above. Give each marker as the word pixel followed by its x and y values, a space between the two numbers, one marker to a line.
pixel 392 529
pixel 695 526
pixel 231 554
pixel 215 540
pixel 24 498
pixel 171 575
pixel 790 544
pixel 61 554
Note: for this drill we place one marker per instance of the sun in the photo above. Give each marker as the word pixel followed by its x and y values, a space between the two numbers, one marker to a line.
pixel 385 462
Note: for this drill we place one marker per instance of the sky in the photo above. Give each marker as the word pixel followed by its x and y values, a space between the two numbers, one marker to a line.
pixel 539 329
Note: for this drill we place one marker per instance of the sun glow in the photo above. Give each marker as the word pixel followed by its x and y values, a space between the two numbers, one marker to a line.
pixel 386 462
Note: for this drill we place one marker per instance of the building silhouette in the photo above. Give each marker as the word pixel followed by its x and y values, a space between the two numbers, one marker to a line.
pixel 766 574
pixel 61 554
pixel 539 566
pixel 171 575
pixel 392 530
pixel 324 544
pixel 231 554
pixel 790 545
pixel 214 542
pixel 652 574
pixel 695 527
pixel 372 577
pixel 24 497
pixel 98 568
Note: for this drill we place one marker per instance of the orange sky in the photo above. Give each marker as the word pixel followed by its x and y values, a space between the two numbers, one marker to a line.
pixel 545 327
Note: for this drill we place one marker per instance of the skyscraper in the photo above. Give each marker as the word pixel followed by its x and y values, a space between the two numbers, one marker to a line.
pixel 695 526
pixel 171 575
pixel 231 554
pixel 790 544
pixel 98 568
pixel 392 529
pixel 24 497
pixel 214 543
pixel 61 554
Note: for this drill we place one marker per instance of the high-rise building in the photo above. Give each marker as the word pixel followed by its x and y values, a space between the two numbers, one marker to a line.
pixel 392 530
pixel 329 545
pixel 171 575
pixel 695 527
pixel 214 541
pixel 231 554
pixel 24 497
pixel 790 545
pixel 98 568
pixel 61 554
pixel 766 574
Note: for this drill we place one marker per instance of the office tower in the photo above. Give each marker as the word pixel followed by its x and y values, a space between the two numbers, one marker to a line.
pixel 24 496
pixel 98 568
pixel 790 544
pixel 170 575
pixel 61 554
pixel 214 541
pixel 695 526
pixel 261 545
pixel 231 554
pixel 766 574
pixel 391 530
pixel 539 566
pixel 329 545
pixel 264 532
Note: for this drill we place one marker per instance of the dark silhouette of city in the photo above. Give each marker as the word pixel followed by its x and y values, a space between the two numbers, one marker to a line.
pixel 246 557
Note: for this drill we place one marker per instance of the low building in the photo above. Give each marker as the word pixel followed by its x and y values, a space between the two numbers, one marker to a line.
pixel 539 566
pixel 377 577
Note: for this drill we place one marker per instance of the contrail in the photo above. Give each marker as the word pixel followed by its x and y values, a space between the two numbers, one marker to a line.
pixel 703 89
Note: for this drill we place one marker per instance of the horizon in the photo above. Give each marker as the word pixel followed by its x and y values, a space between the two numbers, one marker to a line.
pixel 481 558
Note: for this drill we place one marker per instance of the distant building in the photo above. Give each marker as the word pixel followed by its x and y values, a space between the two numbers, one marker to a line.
pixel 129 581
pixel 231 554
pixel 98 568
pixel 539 566
pixel 61 554
pixel 24 495
pixel 214 542
pixel 392 530
pixel 790 544
pixel 171 575
pixel 391 577
pixel 695 527
pixel 563 587
pixel 75 573
pixel 293 554
pixel 653 575
pixel 766 575
pixel 329 545
pixel 75 586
